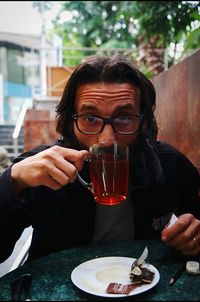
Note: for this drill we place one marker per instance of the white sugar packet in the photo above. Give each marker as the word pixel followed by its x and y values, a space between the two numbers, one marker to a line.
pixel 173 219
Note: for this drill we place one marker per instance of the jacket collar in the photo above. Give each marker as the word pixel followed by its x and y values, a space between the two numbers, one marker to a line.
pixel 145 168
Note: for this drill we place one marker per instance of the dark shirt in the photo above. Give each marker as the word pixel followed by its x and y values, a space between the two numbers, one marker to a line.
pixel 162 181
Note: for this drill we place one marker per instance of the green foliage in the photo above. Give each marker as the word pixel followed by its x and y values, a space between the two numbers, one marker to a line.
pixel 119 24
pixel 97 22
pixel 193 39
pixel 169 19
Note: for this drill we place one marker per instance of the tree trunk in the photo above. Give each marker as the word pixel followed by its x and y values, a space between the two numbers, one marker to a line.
pixel 151 55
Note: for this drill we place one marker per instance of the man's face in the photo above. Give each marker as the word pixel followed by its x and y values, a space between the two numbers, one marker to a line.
pixel 109 101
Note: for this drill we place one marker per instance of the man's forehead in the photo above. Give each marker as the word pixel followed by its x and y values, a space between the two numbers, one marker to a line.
pixel 125 105
pixel 107 90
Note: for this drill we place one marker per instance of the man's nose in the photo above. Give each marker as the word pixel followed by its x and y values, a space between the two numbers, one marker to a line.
pixel 107 133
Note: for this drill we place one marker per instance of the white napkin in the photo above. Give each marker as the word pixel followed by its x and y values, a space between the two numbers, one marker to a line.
pixel 173 219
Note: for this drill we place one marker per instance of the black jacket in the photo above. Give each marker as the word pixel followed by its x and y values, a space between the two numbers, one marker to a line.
pixel 162 181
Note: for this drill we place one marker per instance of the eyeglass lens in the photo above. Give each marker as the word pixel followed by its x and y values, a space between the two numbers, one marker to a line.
pixel 95 124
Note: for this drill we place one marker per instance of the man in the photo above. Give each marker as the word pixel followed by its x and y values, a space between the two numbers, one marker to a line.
pixel 41 187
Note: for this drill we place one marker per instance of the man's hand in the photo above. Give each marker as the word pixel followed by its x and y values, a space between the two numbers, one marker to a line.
pixel 54 168
pixel 184 235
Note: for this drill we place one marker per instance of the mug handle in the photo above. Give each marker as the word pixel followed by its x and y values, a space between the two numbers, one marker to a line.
pixel 84 183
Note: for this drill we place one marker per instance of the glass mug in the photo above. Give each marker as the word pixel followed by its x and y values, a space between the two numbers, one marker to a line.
pixel 109 172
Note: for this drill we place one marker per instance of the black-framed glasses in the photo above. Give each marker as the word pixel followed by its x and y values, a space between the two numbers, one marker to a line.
pixel 122 124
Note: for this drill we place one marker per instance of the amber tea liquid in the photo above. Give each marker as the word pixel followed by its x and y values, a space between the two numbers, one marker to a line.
pixel 110 180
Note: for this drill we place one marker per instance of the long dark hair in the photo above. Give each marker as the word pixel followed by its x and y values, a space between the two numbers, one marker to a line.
pixel 114 69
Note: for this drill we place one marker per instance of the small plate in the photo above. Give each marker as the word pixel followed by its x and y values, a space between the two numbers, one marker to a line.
pixel 95 275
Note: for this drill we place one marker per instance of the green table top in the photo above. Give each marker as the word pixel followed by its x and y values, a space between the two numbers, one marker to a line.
pixel 52 273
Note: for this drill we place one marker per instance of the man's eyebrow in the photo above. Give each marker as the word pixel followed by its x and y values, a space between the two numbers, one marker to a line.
pixel 87 107
pixel 127 106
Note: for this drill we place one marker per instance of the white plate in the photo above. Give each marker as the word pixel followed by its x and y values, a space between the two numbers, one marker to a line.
pixel 94 276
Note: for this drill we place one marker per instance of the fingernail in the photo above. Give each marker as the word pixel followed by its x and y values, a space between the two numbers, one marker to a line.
pixel 164 238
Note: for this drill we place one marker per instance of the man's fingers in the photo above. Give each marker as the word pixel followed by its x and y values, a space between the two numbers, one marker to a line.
pixel 52 184
pixel 58 154
pixel 54 167
pixel 178 227
pixel 184 235
pixel 61 177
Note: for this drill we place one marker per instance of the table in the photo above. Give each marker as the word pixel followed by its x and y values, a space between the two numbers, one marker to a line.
pixel 52 273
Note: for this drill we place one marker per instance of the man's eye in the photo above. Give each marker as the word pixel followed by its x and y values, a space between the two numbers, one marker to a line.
pixel 123 119
pixel 91 119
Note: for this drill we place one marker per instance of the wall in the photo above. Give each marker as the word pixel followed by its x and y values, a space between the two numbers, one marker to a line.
pixel 178 106
pixel 57 78
pixel 39 129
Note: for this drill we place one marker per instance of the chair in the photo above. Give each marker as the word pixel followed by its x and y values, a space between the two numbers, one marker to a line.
pixel 19 254
pixel 23 254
